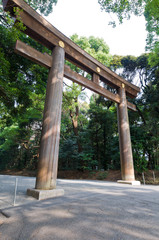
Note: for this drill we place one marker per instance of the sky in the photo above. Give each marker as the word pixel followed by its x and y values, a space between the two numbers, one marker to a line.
pixel 85 18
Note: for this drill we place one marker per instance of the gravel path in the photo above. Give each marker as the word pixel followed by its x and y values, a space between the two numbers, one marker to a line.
pixel 89 210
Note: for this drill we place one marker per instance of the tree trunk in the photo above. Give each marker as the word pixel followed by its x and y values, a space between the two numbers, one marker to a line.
pixel 74 120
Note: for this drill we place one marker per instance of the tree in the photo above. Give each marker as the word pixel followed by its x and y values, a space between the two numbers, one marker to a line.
pixel 122 8
pixel 100 50
pixel 116 62
pixel 96 47
pixel 134 69
pixel 149 8
pixel 103 133
pixel 129 66
pixel 143 123
pixel 152 26
pixel 45 7
pixel 71 102
pixel 22 90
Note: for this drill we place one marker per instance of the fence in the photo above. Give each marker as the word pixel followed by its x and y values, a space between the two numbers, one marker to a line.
pixel 148 177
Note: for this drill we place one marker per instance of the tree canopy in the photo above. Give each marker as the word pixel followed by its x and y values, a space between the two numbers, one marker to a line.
pixel 122 8
pixel 43 6
pixel 149 8
pixel 89 131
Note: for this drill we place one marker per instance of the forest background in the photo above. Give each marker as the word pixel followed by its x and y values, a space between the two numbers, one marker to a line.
pixel 89 131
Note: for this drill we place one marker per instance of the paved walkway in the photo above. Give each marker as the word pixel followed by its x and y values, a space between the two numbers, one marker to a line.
pixel 89 210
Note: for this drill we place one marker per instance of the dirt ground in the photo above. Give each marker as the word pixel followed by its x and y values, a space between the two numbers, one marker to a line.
pixel 111 175
pixel 149 177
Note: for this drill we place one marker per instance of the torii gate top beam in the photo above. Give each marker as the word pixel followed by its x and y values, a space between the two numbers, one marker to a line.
pixel 42 31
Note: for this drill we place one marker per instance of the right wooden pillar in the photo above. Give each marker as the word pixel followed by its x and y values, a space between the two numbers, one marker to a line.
pixel 126 157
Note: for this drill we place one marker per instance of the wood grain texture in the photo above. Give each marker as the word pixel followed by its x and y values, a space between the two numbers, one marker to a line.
pixel 46 61
pixel 32 54
pixel 95 78
pixel 131 106
pixel 126 157
pixel 49 145
pixel 42 31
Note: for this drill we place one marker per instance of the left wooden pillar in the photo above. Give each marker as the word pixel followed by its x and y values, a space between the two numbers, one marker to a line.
pixel 49 145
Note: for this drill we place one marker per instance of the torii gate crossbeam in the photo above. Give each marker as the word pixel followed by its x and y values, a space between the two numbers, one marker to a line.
pixel 63 48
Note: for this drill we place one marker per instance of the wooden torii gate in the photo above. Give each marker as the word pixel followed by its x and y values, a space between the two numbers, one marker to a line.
pixel 63 48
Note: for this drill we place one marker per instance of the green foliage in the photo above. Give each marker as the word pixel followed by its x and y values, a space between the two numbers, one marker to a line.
pixel 129 64
pixel 89 135
pixel 68 155
pixel 45 7
pixel 89 162
pixel 154 55
pixel 22 89
pixel 95 47
pixel 144 123
pixel 102 132
pixel 152 26
pixel 123 8
pixel 116 62
pixel 19 141
pixel 152 18
pixel 75 112
pixel 102 175
pixel 149 8
pixel 141 165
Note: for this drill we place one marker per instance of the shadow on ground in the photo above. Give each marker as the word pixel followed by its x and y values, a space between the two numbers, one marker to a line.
pixel 90 210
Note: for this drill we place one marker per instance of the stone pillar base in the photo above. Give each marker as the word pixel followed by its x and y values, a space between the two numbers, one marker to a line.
pixel 44 194
pixel 134 183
